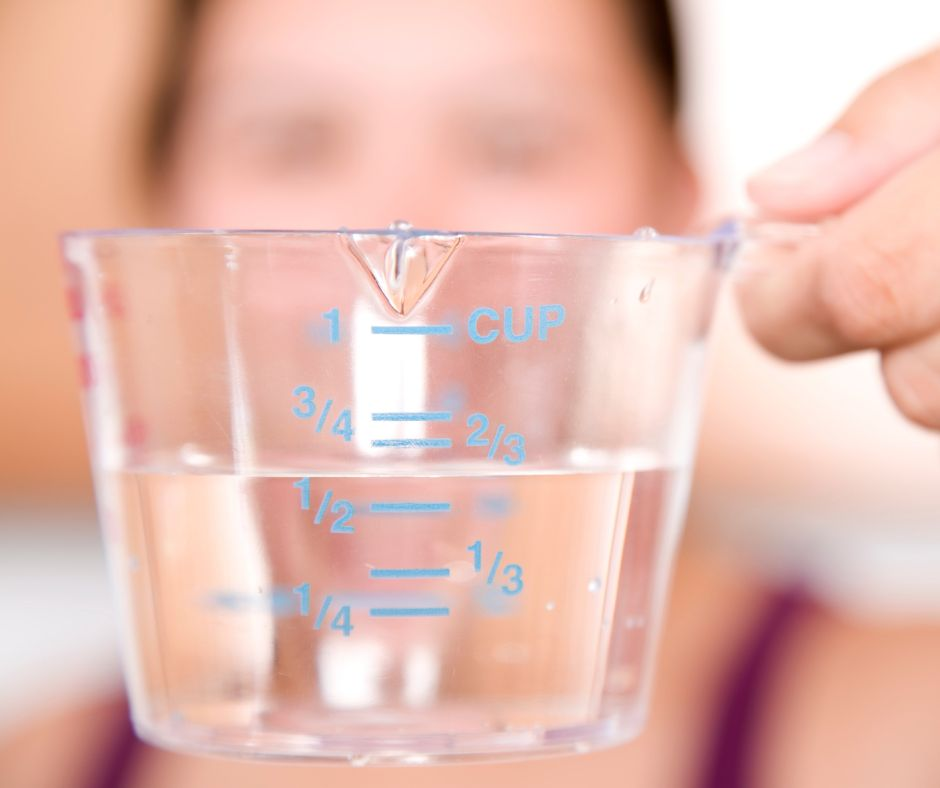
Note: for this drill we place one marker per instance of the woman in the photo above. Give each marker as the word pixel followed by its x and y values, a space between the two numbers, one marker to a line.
pixel 527 116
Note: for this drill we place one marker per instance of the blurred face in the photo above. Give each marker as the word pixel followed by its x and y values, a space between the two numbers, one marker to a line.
pixel 503 115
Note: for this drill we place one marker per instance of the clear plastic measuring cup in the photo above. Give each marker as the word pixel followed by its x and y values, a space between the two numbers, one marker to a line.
pixel 391 495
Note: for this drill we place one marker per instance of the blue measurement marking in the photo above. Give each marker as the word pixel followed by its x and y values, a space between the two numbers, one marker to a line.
pixel 323 414
pixel 361 600
pixel 442 329
pixel 496 562
pixel 420 415
pixel 278 601
pixel 324 505
pixel 383 507
pixel 413 443
pixel 494 505
pixel 396 573
pixel 497 439
pixel 402 612
pixel 229 600
pixel 327 601
pixel 493 601
pixel 282 601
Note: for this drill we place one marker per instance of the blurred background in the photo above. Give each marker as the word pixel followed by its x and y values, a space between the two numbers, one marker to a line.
pixel 802 469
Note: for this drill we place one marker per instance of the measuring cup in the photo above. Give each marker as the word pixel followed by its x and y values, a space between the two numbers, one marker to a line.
pixel 393 495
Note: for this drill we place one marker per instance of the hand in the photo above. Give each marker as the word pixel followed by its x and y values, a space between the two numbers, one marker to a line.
pixel 871 279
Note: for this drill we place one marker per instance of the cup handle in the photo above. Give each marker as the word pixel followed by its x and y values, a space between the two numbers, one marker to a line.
pixel 755 241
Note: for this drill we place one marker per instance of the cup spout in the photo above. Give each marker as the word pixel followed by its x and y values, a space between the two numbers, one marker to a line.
pixel 403 263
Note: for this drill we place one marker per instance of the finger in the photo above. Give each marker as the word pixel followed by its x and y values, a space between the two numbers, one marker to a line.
pixel 912 376
pixel 871 278
pixel 894 121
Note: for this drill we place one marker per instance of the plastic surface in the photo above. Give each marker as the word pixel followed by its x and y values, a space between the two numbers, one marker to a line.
pixel 391 496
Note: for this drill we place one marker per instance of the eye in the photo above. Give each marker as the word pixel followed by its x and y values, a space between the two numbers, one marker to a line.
pixel 285 143
pixel 513 146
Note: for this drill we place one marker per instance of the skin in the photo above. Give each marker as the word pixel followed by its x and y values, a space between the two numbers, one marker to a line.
pixel 871 279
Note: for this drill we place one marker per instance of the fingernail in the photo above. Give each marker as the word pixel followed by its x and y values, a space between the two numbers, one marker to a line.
pixel 825 156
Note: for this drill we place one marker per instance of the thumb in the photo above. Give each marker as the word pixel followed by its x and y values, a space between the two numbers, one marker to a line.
pixel 894 121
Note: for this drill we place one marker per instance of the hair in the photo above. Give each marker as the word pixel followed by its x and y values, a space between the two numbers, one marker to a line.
pixel 171 82
pixel 655 33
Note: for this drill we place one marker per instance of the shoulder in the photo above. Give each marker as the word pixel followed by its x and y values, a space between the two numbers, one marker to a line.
pixel 854 703
pixel 59 748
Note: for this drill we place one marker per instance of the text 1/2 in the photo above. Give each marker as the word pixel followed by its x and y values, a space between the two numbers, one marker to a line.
pixel 341 507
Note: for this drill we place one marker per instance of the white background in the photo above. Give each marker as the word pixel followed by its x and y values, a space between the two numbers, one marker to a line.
pixel 764 76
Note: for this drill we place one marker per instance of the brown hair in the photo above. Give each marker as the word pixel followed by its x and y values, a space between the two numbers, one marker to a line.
pixel 652 19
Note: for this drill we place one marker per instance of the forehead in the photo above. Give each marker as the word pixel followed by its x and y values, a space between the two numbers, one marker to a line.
pixel 424 48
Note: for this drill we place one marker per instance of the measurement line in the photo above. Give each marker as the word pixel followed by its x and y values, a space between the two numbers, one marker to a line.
pixel 383 507
pixel 395 573
pixel 402 612
pixel 444 328
pixel 414 443
pixel 362 600
pixel 420 415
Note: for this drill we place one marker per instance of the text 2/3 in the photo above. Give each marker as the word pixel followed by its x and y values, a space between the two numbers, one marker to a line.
pixel 513 442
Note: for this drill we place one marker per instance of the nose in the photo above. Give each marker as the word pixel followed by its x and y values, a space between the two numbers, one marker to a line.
pixel 401 193
pixel 402 173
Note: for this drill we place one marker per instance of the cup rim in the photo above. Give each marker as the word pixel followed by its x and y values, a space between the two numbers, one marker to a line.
pixel 726 232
